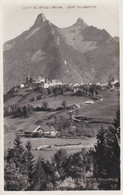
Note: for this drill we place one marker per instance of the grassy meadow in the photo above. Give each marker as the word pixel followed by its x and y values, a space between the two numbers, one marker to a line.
pixel 103 110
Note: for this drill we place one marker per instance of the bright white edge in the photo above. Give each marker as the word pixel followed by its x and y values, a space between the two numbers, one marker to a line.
pixel 120 2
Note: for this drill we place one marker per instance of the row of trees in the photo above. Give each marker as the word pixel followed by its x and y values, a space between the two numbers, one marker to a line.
pixel 17 110
pixel 23 172
pixel 106 155
pixel 55 90
pixel 86 89
pixel 96 168
pixel 90 90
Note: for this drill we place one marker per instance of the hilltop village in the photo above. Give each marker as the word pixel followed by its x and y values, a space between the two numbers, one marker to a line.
pixel 56 87
pixel 35 95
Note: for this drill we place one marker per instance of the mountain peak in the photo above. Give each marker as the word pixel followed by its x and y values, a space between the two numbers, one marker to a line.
pixel 72 54
pixel 40 19
pixel 81 22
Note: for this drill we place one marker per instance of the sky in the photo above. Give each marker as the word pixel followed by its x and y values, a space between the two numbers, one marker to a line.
pixel 18 18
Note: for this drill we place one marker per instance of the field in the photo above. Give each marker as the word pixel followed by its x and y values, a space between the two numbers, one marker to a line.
pixel 47 153
pixel 105 109
pixel 53 102
pixel 102 110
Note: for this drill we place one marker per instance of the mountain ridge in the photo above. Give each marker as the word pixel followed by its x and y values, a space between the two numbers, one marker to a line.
pixel 79 53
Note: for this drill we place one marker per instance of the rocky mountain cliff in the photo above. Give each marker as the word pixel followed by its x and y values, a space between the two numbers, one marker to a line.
pixel 79 53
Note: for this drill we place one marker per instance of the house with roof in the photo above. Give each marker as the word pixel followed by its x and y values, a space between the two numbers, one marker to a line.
pixel 22 85
pixel 76 85
pixel 49 131
pixel 46 85
pixel 39 79
pixel 55 82
pixel 39 131
pixel 53 132
pixel 34 131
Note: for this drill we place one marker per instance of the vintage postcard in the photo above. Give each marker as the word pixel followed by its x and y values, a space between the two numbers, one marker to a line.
pixel 61 97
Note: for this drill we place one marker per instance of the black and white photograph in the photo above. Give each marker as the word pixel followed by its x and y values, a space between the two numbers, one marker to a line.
pixel 61 97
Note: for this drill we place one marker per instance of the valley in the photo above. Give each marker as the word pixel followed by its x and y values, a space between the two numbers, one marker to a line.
pixel 91 116
pixel 61 108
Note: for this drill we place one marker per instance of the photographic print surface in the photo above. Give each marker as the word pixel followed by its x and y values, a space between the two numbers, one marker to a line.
pixel 61 97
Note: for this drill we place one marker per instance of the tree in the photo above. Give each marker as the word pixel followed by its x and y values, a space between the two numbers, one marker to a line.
pixel 14 180
pixel 39 179
pixel 25 111
pixel 92 89
pixel 44 105
pixel 15 177
pixel 29 162
pixel 50 175
pixel 64 104
pixel 30 80
pixel 100 155
pixel 107 154
pixel 116 122
pixel 59 160
pixel 55 91
pixel 78 164
pixel 16 154
pixel 116 128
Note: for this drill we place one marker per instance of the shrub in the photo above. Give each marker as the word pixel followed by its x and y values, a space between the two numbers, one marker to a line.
pixel 44 105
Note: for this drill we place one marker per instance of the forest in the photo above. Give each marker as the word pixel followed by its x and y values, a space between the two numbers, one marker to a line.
pixel 96 168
